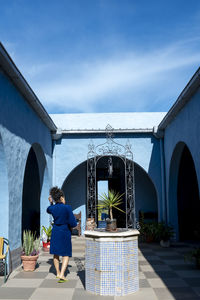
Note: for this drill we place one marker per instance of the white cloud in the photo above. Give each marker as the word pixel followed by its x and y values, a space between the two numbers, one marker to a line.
pixel 111 77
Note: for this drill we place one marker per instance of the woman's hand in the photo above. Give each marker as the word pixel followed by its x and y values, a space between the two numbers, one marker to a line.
pixel 50 200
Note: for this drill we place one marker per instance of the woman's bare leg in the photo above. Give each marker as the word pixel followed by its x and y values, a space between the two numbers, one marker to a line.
pixel 65 261
pixel 56 264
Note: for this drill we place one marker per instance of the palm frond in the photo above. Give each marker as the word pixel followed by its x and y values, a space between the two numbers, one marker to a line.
pixel 112 200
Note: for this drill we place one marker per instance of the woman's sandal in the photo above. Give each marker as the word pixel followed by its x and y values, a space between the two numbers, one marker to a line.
pixel 62 280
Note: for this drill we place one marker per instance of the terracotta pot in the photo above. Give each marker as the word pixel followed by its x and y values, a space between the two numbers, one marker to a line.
pixel 149 239
pixel 111 225
pixel 46 246
pixel 90 224
pixel 29 262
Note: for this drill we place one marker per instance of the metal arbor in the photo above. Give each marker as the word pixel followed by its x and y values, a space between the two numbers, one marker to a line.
pixel 108 149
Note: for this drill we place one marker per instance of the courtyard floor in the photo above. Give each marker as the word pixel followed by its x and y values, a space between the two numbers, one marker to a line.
pixel 164 275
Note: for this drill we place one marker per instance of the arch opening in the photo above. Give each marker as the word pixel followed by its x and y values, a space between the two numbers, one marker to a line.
pixel 75 189
pixel 31 195
pixel 115 182
pixel 188 202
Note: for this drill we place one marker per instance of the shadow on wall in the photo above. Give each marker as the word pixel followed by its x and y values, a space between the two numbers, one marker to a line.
pixel 75 190
pixel 145 193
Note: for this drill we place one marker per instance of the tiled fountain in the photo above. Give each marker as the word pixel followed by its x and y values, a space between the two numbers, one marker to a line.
pixel 112 262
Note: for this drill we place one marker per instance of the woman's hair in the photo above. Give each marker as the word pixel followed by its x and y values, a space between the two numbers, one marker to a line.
pixel 56 194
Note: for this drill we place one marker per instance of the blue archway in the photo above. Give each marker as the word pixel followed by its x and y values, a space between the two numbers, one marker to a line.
pixel 183 195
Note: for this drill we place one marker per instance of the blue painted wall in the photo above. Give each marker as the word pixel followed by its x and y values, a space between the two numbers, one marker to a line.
pixel 184 129
pixel 20 128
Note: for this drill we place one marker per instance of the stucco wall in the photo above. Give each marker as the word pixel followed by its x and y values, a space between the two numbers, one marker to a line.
pixel 71 151
pixel 184 128
pixel 20 128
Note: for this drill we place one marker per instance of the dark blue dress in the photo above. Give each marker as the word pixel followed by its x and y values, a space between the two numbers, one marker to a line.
pixel 61 234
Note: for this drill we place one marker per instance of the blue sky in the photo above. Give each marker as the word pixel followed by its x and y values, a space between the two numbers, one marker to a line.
pixel 103 55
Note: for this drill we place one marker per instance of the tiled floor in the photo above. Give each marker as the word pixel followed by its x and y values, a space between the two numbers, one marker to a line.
pixel 164 275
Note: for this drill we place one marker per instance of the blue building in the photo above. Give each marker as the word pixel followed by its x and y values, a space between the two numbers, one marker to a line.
pixel 38 150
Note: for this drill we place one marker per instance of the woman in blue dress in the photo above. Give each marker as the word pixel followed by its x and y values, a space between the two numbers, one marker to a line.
pixel 64 220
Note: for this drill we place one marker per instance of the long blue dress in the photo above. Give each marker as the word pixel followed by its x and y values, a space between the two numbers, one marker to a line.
pixel 61 234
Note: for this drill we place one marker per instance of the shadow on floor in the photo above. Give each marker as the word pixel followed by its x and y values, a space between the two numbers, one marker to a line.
pixel 169 268
pixel 81 269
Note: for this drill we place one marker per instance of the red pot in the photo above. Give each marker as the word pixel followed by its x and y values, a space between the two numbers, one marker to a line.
pixel 46 246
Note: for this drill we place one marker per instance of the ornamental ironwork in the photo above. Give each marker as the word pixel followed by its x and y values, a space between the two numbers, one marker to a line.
pixel 111 149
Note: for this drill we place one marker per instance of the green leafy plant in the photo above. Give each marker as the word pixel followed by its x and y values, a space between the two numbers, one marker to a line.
pixel 164 232
pixel 194 255
pixel 154 231
pixel 48 231
pixel 110 201
pixel 31 244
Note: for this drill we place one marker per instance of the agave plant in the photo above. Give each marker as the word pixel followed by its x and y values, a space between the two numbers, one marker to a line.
pixel 30 243
pixel 110 201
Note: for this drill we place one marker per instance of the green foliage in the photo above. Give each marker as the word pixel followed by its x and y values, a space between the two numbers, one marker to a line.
pixel 48 231
pixel 30 243
pixel 110 201
pixel 154 231
pixel 164 232
pixel 194 255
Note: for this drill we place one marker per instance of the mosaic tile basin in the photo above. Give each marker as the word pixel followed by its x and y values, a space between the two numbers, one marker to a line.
pixel 111 262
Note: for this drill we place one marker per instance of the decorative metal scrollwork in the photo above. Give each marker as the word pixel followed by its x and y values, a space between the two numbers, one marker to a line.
pixel 111 148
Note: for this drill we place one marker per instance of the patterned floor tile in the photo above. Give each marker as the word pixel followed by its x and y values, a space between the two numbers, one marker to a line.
pixel 58 294
pixel 84 295
pixel 164 294
pixel 183 293
pixel 171 282
pixel 183 267
pixel 170 262
pixel 147 268
pixel 193 282
pixel 170 257
pixel 143 283
pixel 1 281
pixel 16 293
pixel 188 274
pixel 155 262
pixel 143 263
pixel 161 268
pixel 149 258
pixel 53 283
pixel 156 283
pixel 197 291
pixel 28 275
pixel 142 294
pixel 21 283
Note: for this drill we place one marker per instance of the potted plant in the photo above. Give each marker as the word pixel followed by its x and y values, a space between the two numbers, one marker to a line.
pixel 194 255
pixel 46 236
pixel 30 250
pixel 110 201
pixel 165 232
